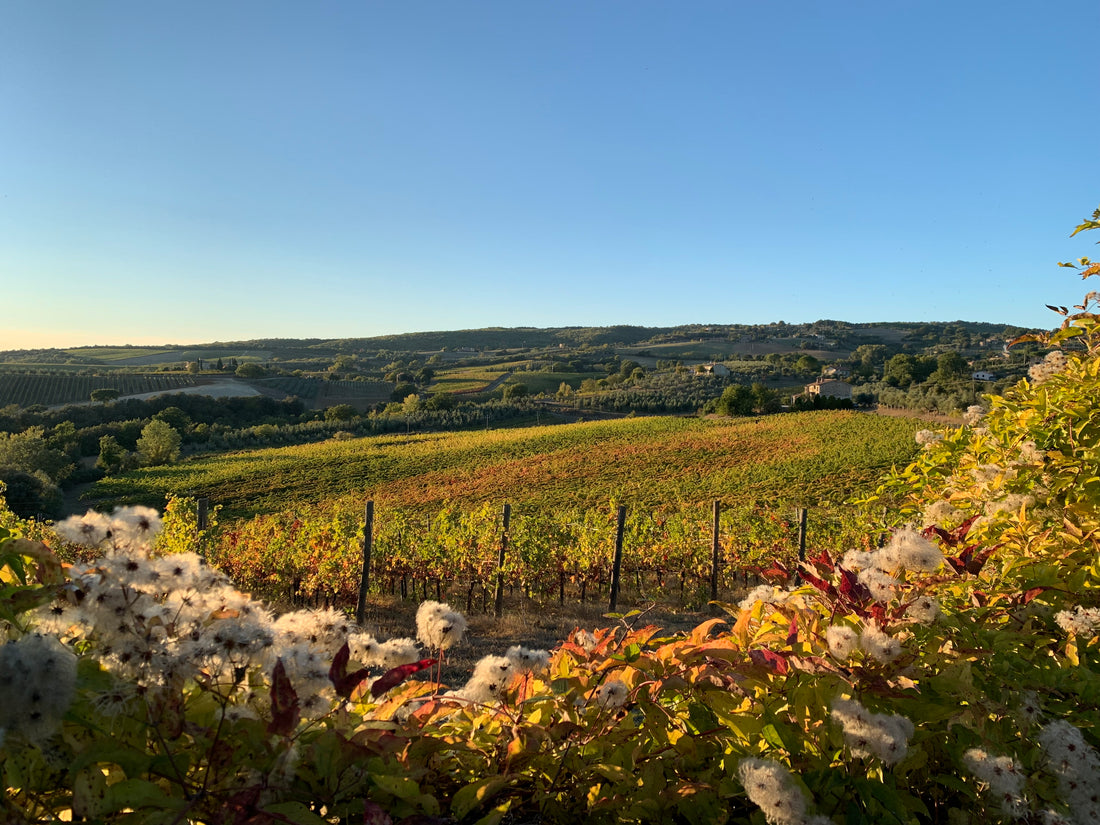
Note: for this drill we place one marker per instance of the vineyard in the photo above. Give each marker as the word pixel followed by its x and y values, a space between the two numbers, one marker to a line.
pixel 315 556
pixel 802 459
pixel 317 392
pixel 30 389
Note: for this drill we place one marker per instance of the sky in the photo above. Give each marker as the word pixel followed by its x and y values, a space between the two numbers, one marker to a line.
pixel 210 171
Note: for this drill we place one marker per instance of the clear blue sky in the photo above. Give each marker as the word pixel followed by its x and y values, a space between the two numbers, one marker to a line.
pixel 197 171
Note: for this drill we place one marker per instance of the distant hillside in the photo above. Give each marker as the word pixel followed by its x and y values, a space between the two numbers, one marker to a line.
pixel 512 338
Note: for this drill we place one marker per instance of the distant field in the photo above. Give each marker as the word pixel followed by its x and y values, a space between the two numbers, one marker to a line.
pixel 549 382
pixel 319 393
pixel 67 388
pixel 468 379
pixel 722 350
pixel 802 458
pixel 108 354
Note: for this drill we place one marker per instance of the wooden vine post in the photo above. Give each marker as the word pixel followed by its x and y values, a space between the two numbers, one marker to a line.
pixel 801 542
pixel 364 579
pixel 498 602
pixel 715 553
pixel 617 564
pixel 802 534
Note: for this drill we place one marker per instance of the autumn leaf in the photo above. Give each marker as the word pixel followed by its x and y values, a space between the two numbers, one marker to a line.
pixel 395 676
pixel 344 682
pixel 284 703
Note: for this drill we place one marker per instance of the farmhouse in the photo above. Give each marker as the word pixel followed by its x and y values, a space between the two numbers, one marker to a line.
pixel 721 370
pixel 828 388
pixel 982 375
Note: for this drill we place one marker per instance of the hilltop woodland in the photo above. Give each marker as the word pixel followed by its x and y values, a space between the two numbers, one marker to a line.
pixel 71 417
pixel 946 669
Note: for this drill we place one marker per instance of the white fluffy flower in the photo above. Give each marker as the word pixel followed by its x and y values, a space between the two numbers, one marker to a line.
pixel 396 652
pixel 771 787
pixel 878 644
pixel 527 660
pixel 585 639
pixel 927 437
pixel 1004 777
pixel 881 584
pixel 942 512
pixel 858 559
pixel 1077 767
pixel 872 734
pixel 843 641
pixel 88 530
pixel 1030 453
pixel 1081 621
pixel 763 593
pixel 612 694
pixel 438 626
pixel 923 610
pixel 914 552
pixel 973 414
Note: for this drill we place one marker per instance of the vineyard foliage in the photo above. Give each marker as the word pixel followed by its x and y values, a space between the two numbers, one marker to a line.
pixel 648 463
pixel 54 388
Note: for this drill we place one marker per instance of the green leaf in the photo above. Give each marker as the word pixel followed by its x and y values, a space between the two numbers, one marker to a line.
pixel 400 786
pixel 471 796
pixel 138 794
pixel 295 812
pixel 771 735
pixel 134 762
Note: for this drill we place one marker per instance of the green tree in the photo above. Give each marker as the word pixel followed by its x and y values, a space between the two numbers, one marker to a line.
pixel 765 400
pixel 899 370
pixel 403 391
pixel 736 399
pixel 950 366
pixel 176 418
pixel 513 391
pixel 808 365
pixel 250 370
pixel 340 412
pixel 112 457
pixel 30 495
pixel 159 443
pixel 104 394
pixel 30 452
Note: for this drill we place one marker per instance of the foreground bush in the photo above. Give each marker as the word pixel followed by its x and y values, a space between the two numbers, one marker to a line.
pixel 947 676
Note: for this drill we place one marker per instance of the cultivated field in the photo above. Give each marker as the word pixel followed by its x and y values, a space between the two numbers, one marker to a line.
pixel 802 458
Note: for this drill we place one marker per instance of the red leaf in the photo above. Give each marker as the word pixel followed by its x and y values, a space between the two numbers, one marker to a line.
pixel 284 703
pixel 954 537
pixel 776 571
pixel 343 681
pixel 852 588
pixel 1032 593
pixel 769 659
pixel 392 678
pixel 822 585
pixel 373 814
pixel 792 632
pixel 977 562
pixel 823 559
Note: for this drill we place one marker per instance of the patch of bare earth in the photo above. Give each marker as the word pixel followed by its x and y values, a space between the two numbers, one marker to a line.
pixel 525 622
